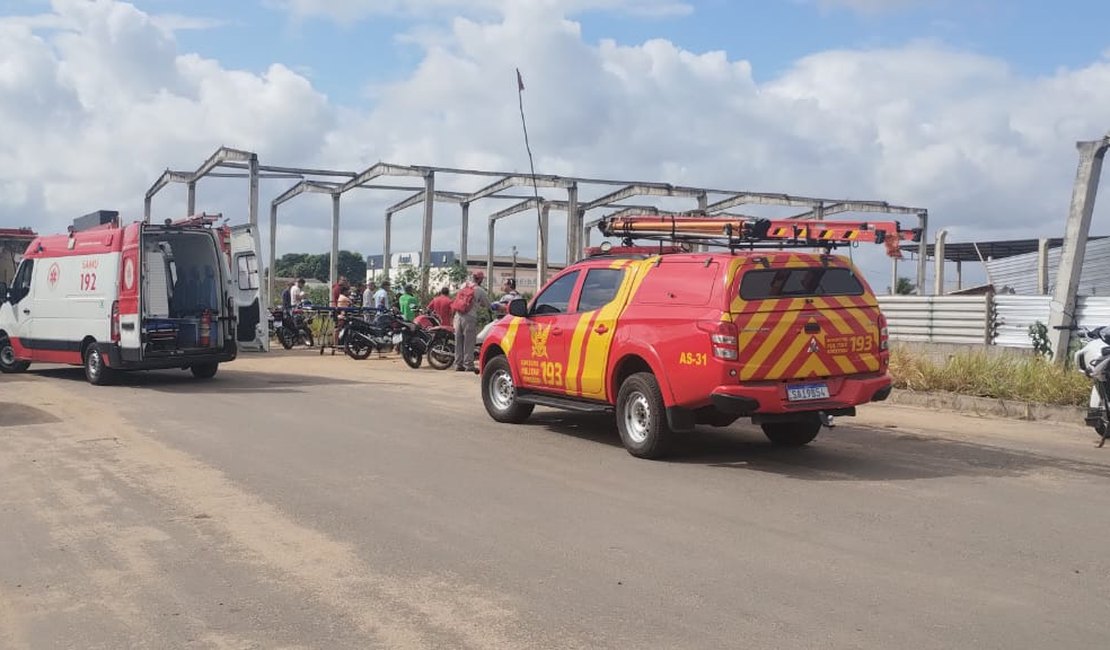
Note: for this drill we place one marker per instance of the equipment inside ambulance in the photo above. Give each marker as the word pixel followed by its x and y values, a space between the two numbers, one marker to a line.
pixel 184 294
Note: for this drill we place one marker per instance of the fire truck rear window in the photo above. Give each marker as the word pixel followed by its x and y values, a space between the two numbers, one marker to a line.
pixel 799 283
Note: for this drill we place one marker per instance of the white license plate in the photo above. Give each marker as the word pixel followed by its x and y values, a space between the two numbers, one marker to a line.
pixel 806 392
pixel 396 339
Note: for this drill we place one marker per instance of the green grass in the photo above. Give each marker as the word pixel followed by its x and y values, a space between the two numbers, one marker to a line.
pixel 1005 376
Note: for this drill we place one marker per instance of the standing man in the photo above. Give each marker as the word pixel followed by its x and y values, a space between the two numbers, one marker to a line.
pixel 340 287
pixel 407 304
pixel 441 307
pixel 381 297
pixel 296 292
pixel 468 301
pixel 368 295
pixel 508 294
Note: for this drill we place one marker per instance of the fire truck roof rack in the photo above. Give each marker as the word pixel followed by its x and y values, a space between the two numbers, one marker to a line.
pixel 737 233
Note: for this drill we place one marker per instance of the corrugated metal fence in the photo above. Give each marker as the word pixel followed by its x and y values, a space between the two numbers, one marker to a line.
pixel 938 319
pixel 1002 320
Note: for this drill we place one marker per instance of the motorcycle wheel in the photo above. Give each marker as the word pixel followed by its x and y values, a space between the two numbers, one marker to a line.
pixel 305 336
pixel 357 347
pixel 441 351
pixel 287 338
pixel 412 357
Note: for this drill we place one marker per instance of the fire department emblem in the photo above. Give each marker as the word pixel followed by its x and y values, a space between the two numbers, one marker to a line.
pixel 539 334
pixel 53 274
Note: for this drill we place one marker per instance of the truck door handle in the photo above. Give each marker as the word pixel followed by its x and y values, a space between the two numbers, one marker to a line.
pixel 557 331
pixel 601 329
pixel 26 311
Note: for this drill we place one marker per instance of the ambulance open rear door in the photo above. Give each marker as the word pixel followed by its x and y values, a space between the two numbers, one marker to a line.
pixel 251 327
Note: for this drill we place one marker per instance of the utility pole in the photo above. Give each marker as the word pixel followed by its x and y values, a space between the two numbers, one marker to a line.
pixel 1062 307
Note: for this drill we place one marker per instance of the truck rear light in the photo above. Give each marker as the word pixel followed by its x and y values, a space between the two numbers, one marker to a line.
pixel 724 340
pixel 884 334
pixel 115 321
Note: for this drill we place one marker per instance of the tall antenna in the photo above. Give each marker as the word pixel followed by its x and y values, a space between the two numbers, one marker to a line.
pixel 531 162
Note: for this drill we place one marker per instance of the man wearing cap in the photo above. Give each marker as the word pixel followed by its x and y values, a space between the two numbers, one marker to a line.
pixel 466 323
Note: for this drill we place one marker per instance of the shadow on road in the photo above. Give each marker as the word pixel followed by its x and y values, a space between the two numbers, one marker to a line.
pixel 840 454
pixel 226 382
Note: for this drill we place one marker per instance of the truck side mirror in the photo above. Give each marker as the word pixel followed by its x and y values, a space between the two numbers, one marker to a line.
pixel 518 307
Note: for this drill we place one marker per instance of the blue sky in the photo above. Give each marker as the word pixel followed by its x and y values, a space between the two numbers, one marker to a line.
pixel 1036 37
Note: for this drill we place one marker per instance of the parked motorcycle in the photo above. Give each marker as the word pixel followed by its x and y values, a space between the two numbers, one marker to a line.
pixel 1093 360
pixel 440 341
pixel 381 333
pixel 290 330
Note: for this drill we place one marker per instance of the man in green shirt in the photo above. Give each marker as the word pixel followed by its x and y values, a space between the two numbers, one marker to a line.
pixel 407 304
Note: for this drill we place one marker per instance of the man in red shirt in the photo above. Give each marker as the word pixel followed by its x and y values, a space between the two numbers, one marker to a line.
pixel 441 307
pixel 340 287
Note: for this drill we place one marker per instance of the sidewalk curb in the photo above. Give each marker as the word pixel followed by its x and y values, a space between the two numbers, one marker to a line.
pixel 988 406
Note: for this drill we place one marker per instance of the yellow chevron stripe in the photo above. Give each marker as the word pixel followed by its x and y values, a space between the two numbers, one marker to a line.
pixel 598 346
pixel 580 330
pixel 813 366
pixel 780 330
pixel 510 334
pixel 844 329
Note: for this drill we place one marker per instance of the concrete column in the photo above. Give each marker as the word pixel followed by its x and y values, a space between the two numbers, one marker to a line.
pixel 938 262
pixel 703 204
pixel 922 258
pixel 1062 307
pixel 1042 267
pixel 252 199
pixel 191 199
pixel 574 226
pixel 893 276
pixel 464 233
pixel 585 238
pixel 489 250
pixel 333 269
pixel 386 254
pixel 273 254
pixel 959 275
pixel 146 209
pixel 426 241
pixel 541 248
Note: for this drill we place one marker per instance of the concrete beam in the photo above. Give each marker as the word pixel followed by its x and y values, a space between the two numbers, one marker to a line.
pixel 1062 307
pixel 517 181
pixel 759 198
pixel 224 155
pixel 375 171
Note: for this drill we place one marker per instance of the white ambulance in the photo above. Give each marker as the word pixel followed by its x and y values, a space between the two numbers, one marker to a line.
pixel 182 294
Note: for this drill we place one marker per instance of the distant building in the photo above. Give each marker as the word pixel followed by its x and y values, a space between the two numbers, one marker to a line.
pixel 1018 274
pixel 440 261
pixel 13 241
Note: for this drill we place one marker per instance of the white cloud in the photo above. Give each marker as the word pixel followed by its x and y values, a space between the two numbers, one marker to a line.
pixel 94 109
pixel 353 10
pixel 872 6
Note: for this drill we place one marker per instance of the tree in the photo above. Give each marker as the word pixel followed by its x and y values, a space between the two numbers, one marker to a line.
pixel 318 266
pixel 904 287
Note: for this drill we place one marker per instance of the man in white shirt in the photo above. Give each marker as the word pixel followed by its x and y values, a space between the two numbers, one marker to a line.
pixel 381 297
pixel 368 295
pixel 296 293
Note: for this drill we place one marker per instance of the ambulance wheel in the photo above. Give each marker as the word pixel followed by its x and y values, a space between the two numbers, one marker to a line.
pixel 204 370
pixel 499 393
pixel 792 434
pixel 8 362
pixel 642 417
pixel 96 371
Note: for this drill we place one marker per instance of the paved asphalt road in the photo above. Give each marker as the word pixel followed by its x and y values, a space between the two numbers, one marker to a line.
pixel 300 501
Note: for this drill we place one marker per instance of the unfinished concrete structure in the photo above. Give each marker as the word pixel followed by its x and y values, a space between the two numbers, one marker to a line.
pixel 431 186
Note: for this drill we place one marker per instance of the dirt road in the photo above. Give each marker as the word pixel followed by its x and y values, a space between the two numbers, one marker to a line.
pixel 300 501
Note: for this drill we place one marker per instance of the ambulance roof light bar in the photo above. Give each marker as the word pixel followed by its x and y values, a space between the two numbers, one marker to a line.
pixel 755 232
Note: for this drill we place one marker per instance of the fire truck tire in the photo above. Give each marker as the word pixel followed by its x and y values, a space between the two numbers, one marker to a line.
pixel 499 393
pixel 8 363
pixel 792 434
pixel 96 372
pixel 204 370
pixel 642 417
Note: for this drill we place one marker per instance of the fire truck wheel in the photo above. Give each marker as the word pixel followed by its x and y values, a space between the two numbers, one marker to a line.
pixel 642 417
pixel 96 372
pixel 8 363
pixel 792 434
pixel 204 370
pixel 499 393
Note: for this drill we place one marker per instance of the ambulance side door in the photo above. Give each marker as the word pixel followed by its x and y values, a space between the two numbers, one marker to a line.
pixel 251 328
pixel 20 316
pixel 541 359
